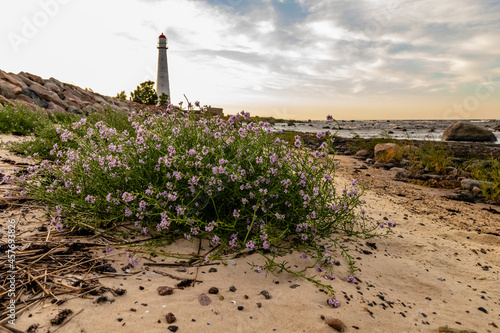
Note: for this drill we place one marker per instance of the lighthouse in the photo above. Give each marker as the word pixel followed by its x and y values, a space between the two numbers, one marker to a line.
pixel 162 83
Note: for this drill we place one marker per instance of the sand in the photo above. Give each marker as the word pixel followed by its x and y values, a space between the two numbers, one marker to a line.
pixel 438 268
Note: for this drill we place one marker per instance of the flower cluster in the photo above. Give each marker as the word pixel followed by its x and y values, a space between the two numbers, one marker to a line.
pixel 233 182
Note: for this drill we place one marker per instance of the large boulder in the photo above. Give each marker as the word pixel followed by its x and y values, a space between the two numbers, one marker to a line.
pixel 386 151
pixel 460 131
pixel 12 78
pixel 32 77
pixel 8 90
pixel 48 95
pixel 35 97
pixel 72 98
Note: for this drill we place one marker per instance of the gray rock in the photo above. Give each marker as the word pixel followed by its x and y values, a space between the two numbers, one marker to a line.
pixel 370 160
pixel 401 172
pixel 470 184
pixel 48 95
pixel 460 131
pixel 74 110
pixel 8 90
pixel 35 97
pixel 204 299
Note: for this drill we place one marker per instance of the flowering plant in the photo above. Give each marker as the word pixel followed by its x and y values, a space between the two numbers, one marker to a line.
pixel 232 182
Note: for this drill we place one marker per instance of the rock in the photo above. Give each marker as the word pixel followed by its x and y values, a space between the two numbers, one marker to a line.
pixel 362 154
pixel 25 79
pixel 336 324
pixel 470 184
pixel 52 87
pixel 13 79
pixel 386 151
pixel 401 172
pixel 35 97
pixel 173 328
pixel 265 293
pixel 497 128
pixel 232 289
pixel 5 101
pixel 370 161
pixel 33 77
pixel 212 270
pixel 477 191
pixel 74 110
pixel 164 290
pixel 290 123
pixel 240 308
pixel 72 99
pixel 181 269
pixel 404 162
pixel 213 291
pixel 8 90
pixel 48 95
pixel 54 107
pixel 460 131
pixel 204 299
pixel 170 318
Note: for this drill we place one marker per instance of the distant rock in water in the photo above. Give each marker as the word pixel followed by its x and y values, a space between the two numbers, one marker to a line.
pixel 460 131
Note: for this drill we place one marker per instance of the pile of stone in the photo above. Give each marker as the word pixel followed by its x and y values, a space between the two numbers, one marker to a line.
pixel 56 96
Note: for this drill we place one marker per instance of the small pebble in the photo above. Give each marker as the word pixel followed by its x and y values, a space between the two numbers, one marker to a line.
pixel 120 319
pixel 170 318
pixel 259 305
pixel 240 308
pixel 482 309
pixel 141 288
pixel 173 328
pixel 212 270
pixel 181 269
pixel 204 300
pixel 232 289
pixel 213 290
pixel 265 293
pixel 232 262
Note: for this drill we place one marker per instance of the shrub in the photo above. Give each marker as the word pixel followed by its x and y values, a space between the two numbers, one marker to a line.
pixel 233 183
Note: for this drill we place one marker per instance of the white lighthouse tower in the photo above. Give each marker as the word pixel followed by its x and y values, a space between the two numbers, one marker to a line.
pixel 162 83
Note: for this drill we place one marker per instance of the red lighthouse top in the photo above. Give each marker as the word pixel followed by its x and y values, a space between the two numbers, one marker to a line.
pixel 162 36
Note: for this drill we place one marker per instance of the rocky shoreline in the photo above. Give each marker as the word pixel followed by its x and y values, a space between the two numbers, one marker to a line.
pixel 55 96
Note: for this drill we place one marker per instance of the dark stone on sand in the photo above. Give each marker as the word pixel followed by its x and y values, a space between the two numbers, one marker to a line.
pixel 212 270
pixel 213 290
pixel 164 290
pixel 170 317
pixel 460 131
pixel 259 305
pixel 482 309
pixel 240 308
pixel 173 328
pixel 265 293
pixel 232 289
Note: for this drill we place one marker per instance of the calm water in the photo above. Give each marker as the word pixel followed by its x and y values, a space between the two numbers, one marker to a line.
pixel 397 129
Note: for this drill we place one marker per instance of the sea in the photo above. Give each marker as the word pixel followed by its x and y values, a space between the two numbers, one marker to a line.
pixel 431 130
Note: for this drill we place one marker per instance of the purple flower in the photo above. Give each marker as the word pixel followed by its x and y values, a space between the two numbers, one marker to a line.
pixel 331 276
pixel 334 302
pixel 236 213
pixel 260 270
pixel 351 279
pixel 390 224
pixel 329 118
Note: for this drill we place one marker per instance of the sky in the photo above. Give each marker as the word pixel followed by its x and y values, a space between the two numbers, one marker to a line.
pixel 294 59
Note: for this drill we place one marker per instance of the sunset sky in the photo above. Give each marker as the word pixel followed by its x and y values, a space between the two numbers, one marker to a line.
pixel 300 59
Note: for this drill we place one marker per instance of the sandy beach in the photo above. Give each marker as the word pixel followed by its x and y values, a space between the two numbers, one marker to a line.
pixel 439 268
